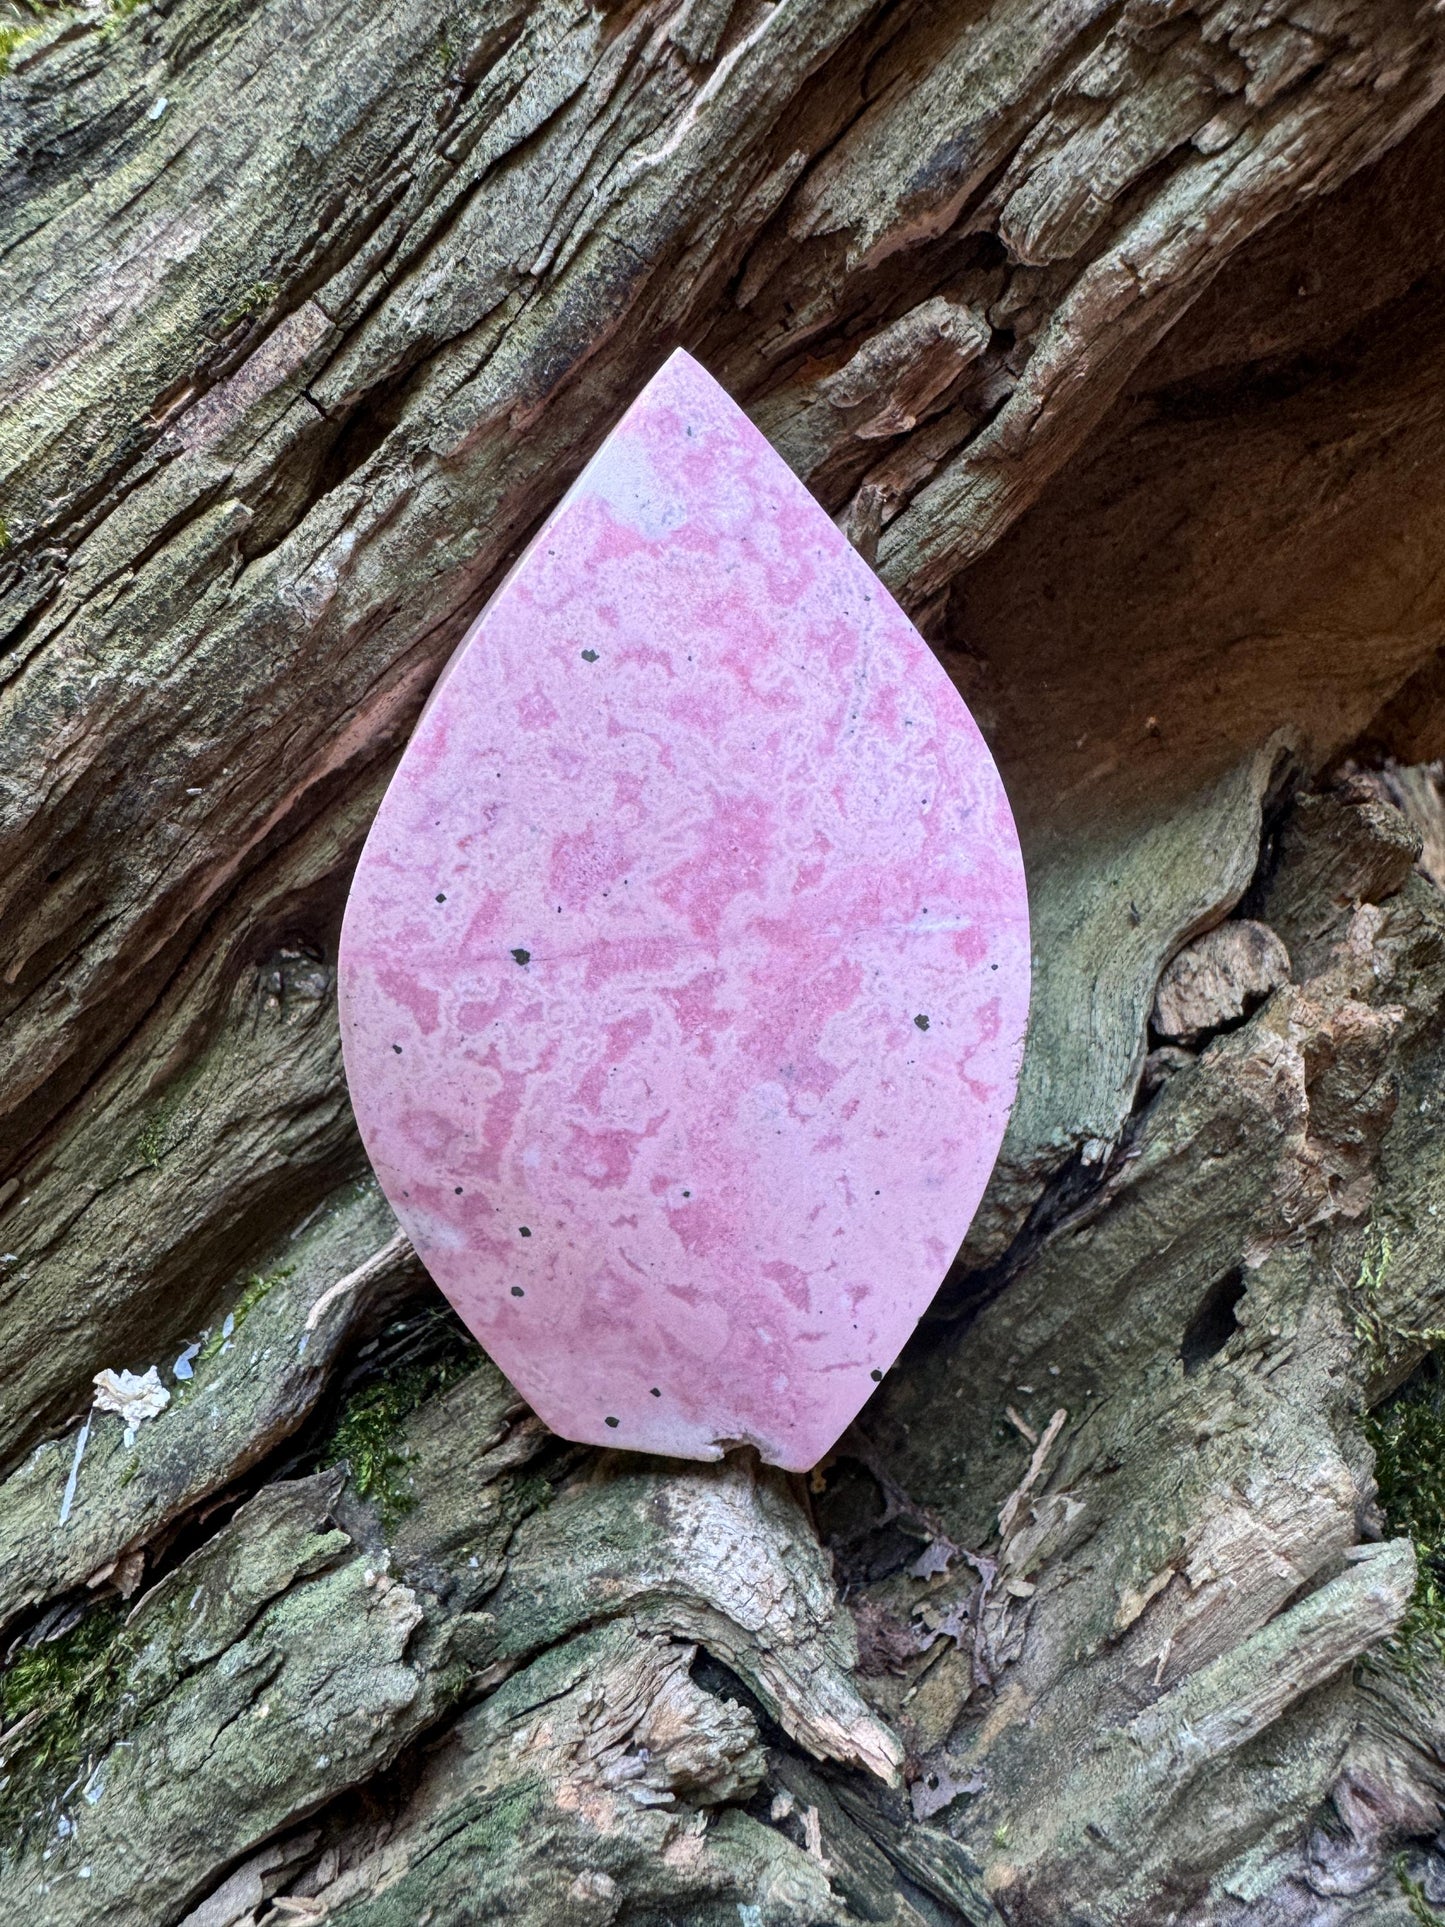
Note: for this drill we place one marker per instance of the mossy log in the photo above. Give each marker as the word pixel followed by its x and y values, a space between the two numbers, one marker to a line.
pixel 1111 334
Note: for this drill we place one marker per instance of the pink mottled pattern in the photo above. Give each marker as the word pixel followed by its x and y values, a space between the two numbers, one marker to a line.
pixel 685 973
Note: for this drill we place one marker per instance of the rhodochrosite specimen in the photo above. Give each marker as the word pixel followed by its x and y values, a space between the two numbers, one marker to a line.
pixel 685 972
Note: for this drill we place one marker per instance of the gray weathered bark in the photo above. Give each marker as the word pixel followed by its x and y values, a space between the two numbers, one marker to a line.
pixel 1112 334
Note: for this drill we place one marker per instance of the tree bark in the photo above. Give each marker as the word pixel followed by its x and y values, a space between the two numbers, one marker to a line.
pixel 1112 335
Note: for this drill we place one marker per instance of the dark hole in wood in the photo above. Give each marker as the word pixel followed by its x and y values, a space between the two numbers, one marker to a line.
pixel 719 1679
pixel 1215 1322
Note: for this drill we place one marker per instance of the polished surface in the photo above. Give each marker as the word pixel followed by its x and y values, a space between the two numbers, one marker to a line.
pixel 685 972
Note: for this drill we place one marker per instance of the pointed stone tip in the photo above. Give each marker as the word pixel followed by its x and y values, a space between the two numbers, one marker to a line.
pixel 682 373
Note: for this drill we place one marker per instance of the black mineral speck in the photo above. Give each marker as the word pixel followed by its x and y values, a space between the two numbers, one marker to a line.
pixel 590 655
pixel 612 1422
pixel 397 1049
pixel 921 1021
pixel 526 1230
pixel 656 1393
pixel 522 956
pixel 459 1190
pixel 517 1292
pixel 441 896
pixel 875 1375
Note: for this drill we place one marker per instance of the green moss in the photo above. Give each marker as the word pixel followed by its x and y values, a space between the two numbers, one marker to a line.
pixel 115 13
pixel 167 1127
pixel 1380 1337
pixel 368 1434
pixel 257 297
pixel 1370 1328
pixel 256 1289
pixel 1408 1436
pixel 12 37
pixel 21 21
pixel 57 1700
pixel 1414 1892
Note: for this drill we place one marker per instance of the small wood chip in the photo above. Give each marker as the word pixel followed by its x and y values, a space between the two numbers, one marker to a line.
pixel 1014 1503
pixel 1020 1425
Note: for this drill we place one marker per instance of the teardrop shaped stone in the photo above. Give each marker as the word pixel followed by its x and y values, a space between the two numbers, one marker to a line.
pixel 684 975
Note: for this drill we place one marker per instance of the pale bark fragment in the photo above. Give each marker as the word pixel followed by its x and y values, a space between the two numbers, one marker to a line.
pixel 1216 979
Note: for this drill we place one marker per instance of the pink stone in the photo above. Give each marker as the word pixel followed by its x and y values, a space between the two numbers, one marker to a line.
pixel 685 972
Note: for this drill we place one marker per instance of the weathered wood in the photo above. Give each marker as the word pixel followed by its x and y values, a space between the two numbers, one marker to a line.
pixel 1218 979
pixel 246 1396
pixel 1114 333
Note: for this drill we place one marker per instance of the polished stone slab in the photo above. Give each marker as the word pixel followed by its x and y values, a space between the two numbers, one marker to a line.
pixel 685 973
